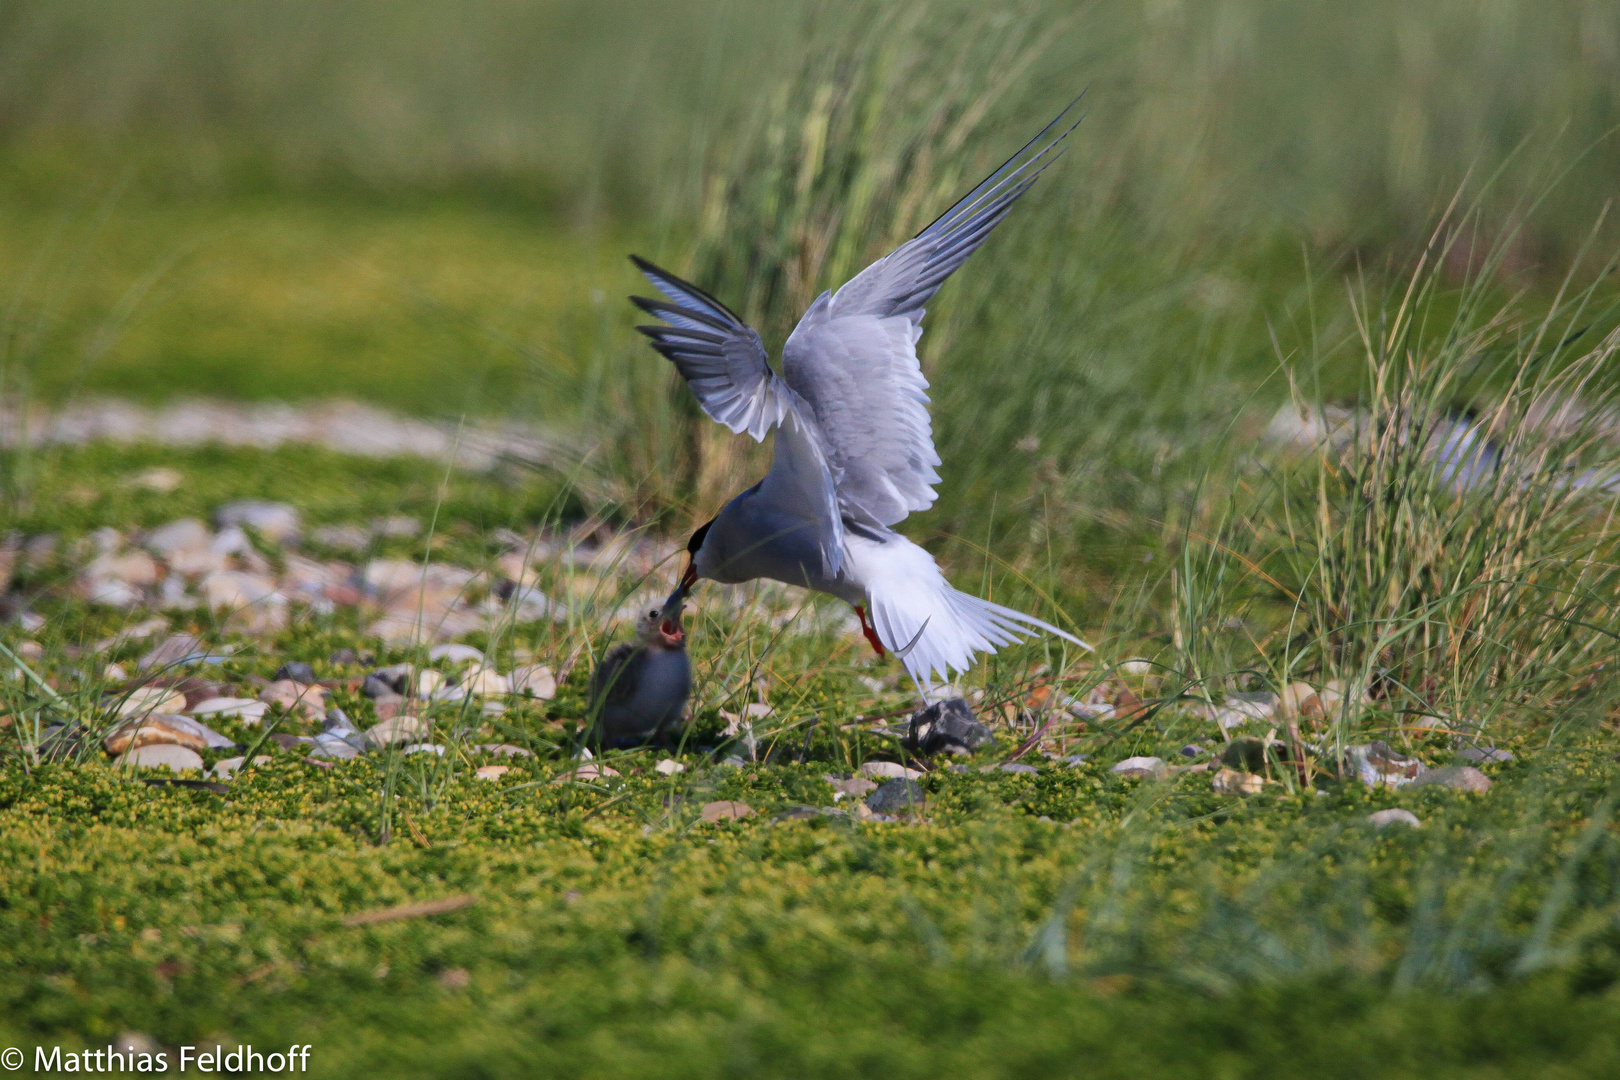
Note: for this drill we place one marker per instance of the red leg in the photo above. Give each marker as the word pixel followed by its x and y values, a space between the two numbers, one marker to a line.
pixel 871 634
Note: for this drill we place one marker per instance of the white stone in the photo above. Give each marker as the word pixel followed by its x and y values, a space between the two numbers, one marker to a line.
pixel 669 767
pixel 163 755
pixel 397 729
pixel 1137 667
pixel 247 710
pixel 535 680
pixel 1394 816
pixel 424 748
pixel 274 521
pixel 227 768
pixel 184 534
pixel 889 770
pixel 492 772
pixel 113 593
pixel 455 654
pixel 1139 766
pixel 231 589
pixel 151 699
pixel 484 682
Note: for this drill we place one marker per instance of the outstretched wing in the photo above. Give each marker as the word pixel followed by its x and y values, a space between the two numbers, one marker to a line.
pixel 721 357
pixel 723 362
pixel 853 357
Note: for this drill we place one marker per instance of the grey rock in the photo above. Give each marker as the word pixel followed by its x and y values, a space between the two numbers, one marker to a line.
pixel 346 658
pixel 853 787
pixel 388 680
pixel 339 724
pixel 274 521
pixel 330 745
pixel 1485 755
pixel 734 761
pixel 60 741
pixel 1255 706
pixel 895 796
pixel 1020 768
pixel 186 534
pixel 1395 816
pixel 296 670
pixel 1074 761
pixel 424 748
pixel 1191 750
pixel 341 537
pixel 1139 767
pixel 398 527
pixel 172 651
pixel 456 653
pixel 946 727
pixel 1456 777
pixel 163 755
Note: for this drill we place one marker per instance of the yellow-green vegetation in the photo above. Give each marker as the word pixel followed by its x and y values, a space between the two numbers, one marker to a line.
pixel 1385 220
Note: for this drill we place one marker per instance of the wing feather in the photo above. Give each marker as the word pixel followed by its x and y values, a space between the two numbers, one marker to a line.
pixel 723 362
pixel 853 356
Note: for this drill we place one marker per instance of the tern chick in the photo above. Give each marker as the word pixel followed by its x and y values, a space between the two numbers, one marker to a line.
pixel 639 690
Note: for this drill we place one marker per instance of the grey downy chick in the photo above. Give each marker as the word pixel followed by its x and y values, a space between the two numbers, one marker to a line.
pixel 639 690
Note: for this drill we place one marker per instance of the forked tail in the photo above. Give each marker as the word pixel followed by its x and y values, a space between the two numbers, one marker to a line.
pixel 931 626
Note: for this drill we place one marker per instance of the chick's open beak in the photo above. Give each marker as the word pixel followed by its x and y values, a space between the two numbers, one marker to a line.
pixel 670 628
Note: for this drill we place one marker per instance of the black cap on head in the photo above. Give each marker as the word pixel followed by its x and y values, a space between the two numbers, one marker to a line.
pixel 696 542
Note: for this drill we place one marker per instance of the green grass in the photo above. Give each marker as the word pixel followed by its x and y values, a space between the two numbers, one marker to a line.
pixel 428 206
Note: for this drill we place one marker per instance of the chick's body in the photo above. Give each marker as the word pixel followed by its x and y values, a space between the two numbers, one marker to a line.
pixel 639 690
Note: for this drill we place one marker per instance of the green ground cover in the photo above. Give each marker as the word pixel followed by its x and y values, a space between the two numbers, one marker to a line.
pixel 428 206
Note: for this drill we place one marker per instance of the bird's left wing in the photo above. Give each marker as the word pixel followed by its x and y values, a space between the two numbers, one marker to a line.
pixel 723 362
pixel 721 357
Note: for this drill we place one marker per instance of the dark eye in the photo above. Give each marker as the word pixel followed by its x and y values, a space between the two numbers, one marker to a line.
pixel 653 614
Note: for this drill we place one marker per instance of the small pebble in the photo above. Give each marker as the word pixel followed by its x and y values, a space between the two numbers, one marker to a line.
pixel 888 770
pixel 726 810
pixel 1394 816
pixel 163 755
pixel 296 670
pixel 669 767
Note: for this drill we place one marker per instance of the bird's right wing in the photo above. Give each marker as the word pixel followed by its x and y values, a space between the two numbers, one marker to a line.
pixel 853 357
pixel 721 357
pixel 723 362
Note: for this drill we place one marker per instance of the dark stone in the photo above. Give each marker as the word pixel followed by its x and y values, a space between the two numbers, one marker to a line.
pixel 386 682
pixel 895 796
pixel 1246 754
pixel 290 742
pixel 1485 755
pixel 946 727
pixel 1191 750
pixel 60 741
pixel 297 671
pixel 349 658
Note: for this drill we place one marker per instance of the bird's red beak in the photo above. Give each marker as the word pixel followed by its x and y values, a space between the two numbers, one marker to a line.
pixel 689 578
pixel 672 634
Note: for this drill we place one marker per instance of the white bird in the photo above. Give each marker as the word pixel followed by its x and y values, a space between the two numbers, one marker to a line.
pixel 854 451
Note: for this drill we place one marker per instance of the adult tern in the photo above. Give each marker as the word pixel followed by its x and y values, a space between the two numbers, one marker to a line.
pixel 854 451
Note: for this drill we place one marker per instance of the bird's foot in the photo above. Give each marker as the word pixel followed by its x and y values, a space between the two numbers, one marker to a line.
pixel 871 634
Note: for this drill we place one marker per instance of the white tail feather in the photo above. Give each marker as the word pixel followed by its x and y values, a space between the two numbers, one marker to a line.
pixel 912 603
